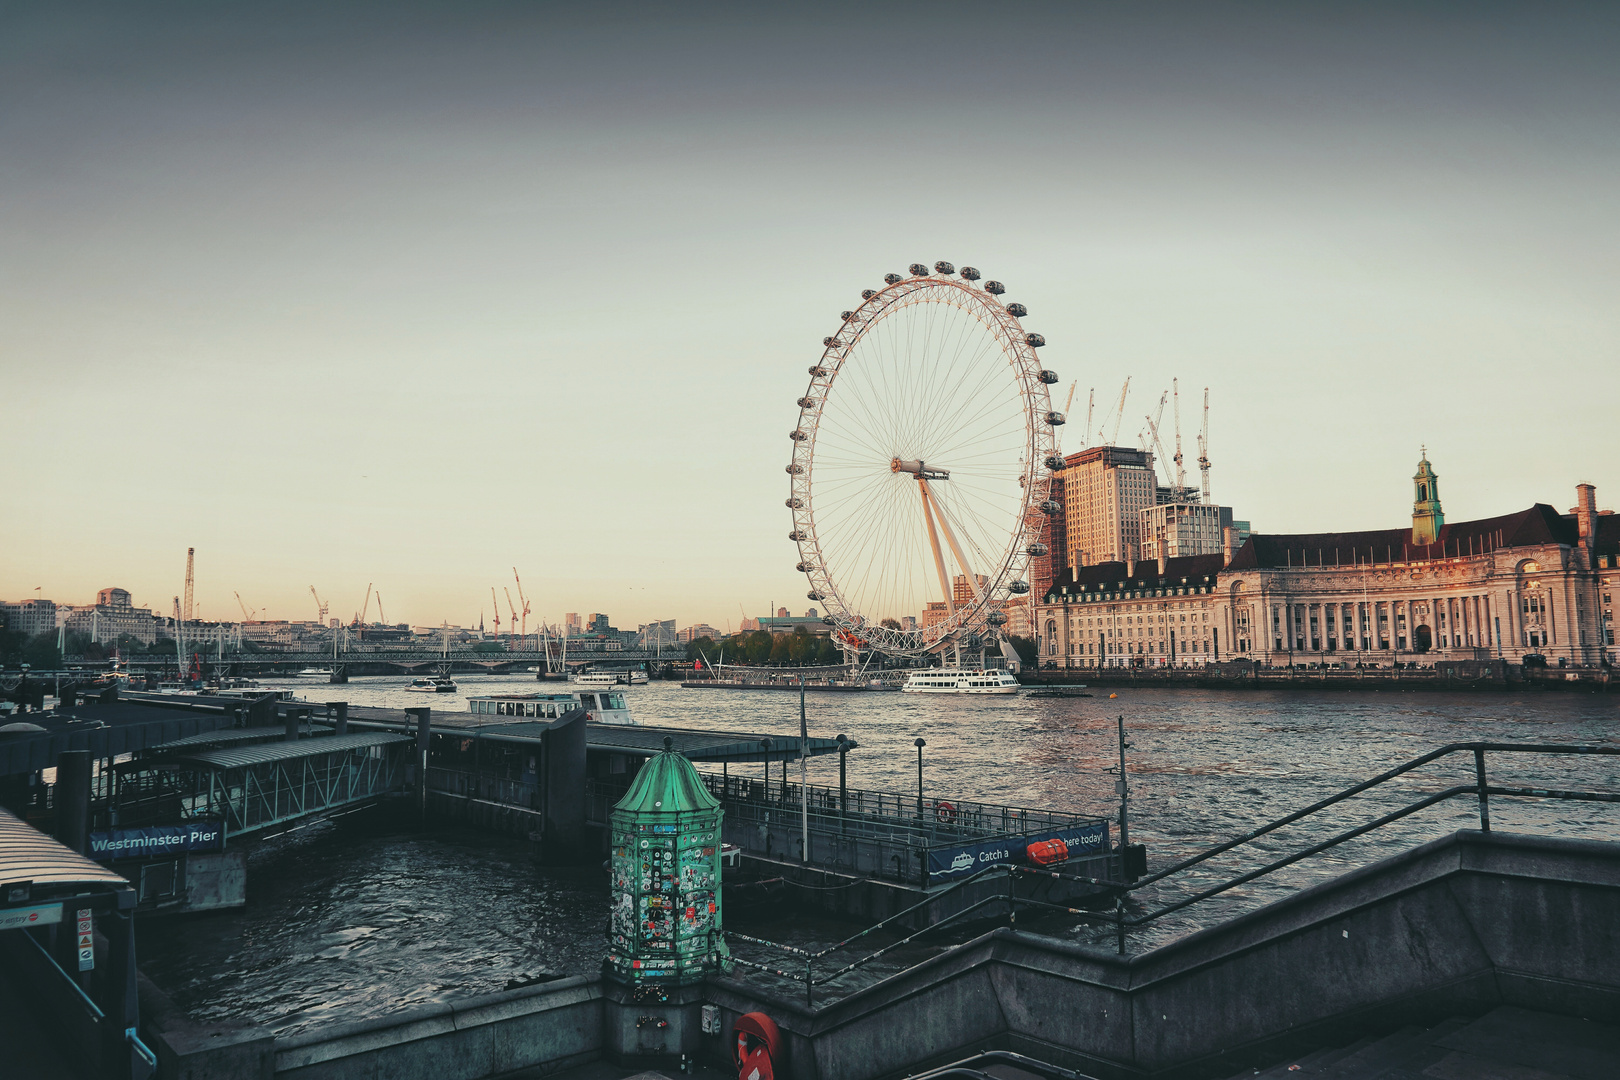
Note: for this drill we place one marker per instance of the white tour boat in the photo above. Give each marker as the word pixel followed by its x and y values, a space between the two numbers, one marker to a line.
pixel 315 673
pixel 597 678
pixel 601 707
pixel 960 681
pixel 432 686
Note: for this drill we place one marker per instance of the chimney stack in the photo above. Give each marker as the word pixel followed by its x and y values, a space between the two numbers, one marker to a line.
pixel 1164 562
pixel 1586 518
pixel 1229 545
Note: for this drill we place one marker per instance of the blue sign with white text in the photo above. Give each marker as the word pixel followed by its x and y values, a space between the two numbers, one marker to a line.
pixel 948 864
pixel 148 841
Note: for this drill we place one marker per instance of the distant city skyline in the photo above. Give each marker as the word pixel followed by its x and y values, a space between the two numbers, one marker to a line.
pixel 350 294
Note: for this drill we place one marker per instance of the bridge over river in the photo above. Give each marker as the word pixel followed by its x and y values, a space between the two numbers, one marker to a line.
pixel 386 661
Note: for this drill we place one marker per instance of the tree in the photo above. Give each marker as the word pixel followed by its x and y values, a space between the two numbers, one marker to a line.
pixel 489 647
pixel 698 648
pixel 1028 650
pixel 827 652
pixel 781 648
pixel 759 647
pixel 891 623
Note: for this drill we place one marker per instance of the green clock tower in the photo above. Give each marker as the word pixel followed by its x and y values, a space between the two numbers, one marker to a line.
pixel 1427 517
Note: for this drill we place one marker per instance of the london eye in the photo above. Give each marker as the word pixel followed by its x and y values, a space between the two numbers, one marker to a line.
pixel 922 462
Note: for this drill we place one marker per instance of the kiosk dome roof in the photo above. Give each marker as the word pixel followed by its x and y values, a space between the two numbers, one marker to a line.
pixel 667 784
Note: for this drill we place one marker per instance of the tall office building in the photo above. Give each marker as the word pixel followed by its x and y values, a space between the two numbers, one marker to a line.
pixel 1105 489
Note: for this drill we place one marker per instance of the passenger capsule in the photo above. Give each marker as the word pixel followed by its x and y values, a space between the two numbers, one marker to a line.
pixel 867 294
pixel 1054 462
pixel 970 274
pixel 846 315
pixel 797 435
pixel 795 469
pixel 803 568
pixel 1054 418
pixel 1049 377
pixel 806 402
pixel 795 504
pixel 1017 311
pixel 1051 509
pixel 1034 341
pixel 1019 587
pixel 796 536
pixel 832 343
pixel 813 595
pixel 996 618
pixel 1037 549
pixel 994 288
pixel 818 372
pixel 944 268
pixel 893 279
pixel 918 270
pixel 828 619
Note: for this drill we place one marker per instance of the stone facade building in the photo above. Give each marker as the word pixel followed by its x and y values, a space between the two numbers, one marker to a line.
pixel 1535 582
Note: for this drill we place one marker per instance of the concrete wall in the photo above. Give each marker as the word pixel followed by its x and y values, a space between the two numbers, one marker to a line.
pixel 1454 927
pixel 555 1025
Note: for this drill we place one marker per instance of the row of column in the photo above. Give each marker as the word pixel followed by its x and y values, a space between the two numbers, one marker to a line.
pixel 1380 625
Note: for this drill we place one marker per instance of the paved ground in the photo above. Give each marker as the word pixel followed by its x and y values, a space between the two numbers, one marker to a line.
pixel 1508 1043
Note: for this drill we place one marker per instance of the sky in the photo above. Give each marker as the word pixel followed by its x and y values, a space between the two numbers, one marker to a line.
pixel 410 295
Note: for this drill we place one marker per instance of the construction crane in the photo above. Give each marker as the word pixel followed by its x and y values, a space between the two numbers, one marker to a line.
pixel 247 616
pixel 320 606
pixel 1153 427
pixel 1091 403
pixel 524 614
pixel 381 618
pixel 360 619
pixel 511 627
pixel 185 610
pixel 1181 473
pixel 1119 412
pixel 496 604
pixel 1203 447
pixel 1058 435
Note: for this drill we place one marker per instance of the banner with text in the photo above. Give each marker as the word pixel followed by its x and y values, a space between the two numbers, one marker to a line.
pixel 950 863
pixel 150 841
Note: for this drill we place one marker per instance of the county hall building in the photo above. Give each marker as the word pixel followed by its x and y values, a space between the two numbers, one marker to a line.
pixel 1535 582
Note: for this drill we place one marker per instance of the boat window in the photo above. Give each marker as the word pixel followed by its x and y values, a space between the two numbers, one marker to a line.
pixel 528 710
pixel 615 701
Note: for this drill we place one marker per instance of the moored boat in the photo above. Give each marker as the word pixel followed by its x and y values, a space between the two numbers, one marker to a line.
pixel 960 681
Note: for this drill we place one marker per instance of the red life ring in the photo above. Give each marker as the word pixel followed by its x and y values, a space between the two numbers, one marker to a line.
pixel 945 813
pixel 759 1043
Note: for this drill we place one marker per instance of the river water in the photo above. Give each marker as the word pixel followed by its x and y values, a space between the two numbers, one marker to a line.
pixel 357 917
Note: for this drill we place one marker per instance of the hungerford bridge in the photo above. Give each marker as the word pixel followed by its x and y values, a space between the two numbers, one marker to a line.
pixel 394 661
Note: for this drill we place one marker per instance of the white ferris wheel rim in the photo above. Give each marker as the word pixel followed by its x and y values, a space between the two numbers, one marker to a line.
pixel 990 512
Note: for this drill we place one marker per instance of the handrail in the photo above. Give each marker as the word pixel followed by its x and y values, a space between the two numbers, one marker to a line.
pixel 1480 788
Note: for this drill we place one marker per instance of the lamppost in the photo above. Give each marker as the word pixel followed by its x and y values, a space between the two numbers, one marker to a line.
pixel 843 790
pixel 921 742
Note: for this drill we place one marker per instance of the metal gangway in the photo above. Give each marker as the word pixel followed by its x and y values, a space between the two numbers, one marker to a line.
pixel 249 783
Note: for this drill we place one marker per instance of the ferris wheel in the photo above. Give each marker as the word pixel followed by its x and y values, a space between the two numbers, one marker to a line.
pixel 922 462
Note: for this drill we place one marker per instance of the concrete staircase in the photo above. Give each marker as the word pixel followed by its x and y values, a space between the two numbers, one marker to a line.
pixel 1508 1043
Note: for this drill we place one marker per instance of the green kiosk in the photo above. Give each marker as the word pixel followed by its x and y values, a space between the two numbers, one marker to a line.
pixel 664 928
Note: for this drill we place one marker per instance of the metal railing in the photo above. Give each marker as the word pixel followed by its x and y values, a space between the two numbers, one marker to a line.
pixel 1480 789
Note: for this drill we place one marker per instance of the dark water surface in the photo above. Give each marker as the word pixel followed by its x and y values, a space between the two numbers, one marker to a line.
pixel 358 917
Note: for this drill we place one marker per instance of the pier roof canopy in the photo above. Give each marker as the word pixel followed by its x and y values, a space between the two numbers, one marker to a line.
pixel 704 745
pixel 238 757
pixel 28 855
